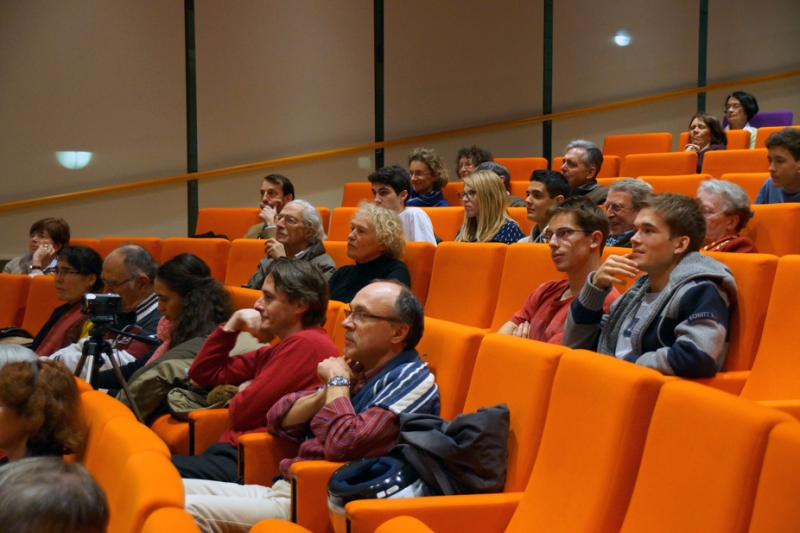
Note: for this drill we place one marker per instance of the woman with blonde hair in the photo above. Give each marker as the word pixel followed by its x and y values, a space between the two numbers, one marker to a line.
pixel 486 217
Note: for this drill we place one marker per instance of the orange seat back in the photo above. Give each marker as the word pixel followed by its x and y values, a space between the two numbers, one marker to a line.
pixel 772 228
pixel 737 140
pixel 340 223
pixel 14 289
pixel 754 275
pixel 775 509
pixel 419 257
pixel 337 331
pixel 331 315
pixel 243 298
pixel 762 134
pixel 446 220
pixel 519 373
pixel 719 162
pixel 520 216
pixel 213 251
pixel 338 252
pixel 243 260
pixel 465 282
pixel 170 519
pixel 42 299
pixel 521 168
pixel 99 409
pixel 450 193
pixel 153 245
pixel 610 168
pixel 665 164
pixel 356 191
pixel 684 184
pixel 94 244
pixel 594 435
pixel 233 222
pixel 325 215
pixel 751 182
pixel 775 373
pixel 701 460
pixel 637 143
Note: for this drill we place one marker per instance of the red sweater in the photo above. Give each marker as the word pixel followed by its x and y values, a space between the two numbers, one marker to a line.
pixel 289 366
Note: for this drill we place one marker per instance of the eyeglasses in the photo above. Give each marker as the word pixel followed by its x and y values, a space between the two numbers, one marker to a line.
pixel 561 234
pixel 419 173
pixel 287 219
pixel 732 106
pixel 467 194
pixel 65 272
pixel 361 316
pixel 114 284
pixel 708 213
pixel 616 208
pixel 470 164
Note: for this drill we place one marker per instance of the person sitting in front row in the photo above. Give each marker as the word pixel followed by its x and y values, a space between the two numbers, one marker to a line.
pixel 623 203
pixel 376 243
pixel 547 187
pixel 576 235
pixel 783 184
pixel 486 217
pixel 390 189
pixel 676 317
pixel 726 207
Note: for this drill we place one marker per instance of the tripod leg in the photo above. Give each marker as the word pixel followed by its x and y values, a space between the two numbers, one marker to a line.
pixel 124 384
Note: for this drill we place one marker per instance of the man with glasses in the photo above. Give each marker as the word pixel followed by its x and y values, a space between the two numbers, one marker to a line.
pixel 623 203
pixel 298 235
pixel 352 416
pixel 276 192
pixel 128 271
pixel 576 235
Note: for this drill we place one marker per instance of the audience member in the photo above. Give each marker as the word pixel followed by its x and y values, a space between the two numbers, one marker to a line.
pixel 391 187
pixel 486 217
pixel 783 185
pixel 740 107
pixel 48 237
pixel 675 317
pixel 376 244
pixel 128 271
pixel 468 159
pixel 276 191
pixel 14 353
pixel 298 235
pixel 292 308
pixel 623 203
pixel 77 272
pixel 355 415
pixel 48 494
pixel 428 178
pixel 505 175
pixel 576 235
pixel 705 135
pixel 582 163
pixel 726 207
pixel 546 188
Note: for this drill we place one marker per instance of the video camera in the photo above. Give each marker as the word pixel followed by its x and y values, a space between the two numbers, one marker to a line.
pixel 102 308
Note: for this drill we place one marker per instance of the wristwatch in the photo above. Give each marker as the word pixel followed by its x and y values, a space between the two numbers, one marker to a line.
pixel 338 381
pixel 35 267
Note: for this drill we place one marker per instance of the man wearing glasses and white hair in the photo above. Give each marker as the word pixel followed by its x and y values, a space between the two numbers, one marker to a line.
pixel 623 203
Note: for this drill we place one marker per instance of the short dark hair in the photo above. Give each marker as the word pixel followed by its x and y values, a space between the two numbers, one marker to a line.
pixel 137 260
pixel 747 100
pixel 301 281
pixel 717 133
pixel 281 181
pixel 497 168
pixel 394 176
pixel 57 228
pixel 50 494
pixel 788 138
pixel 86 261
pixel 477 155
pixel 588 216
pixel 409 311
pixel 683 216
pixel 555 182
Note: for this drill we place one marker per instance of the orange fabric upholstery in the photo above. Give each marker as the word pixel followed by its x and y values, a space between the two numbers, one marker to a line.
pixel 94 244
pixel 338 252
pixel 99 409
pixel 337 334
pixel 170 520
pixel 243 298
pixel 213 251
pixel 721 162
pixel 520 216
pixel 233 222
pixel 419 257
pixel 450 193
pixel 356 191
pixel 174 433
pixel 762 134
pixel 750 182
pixel 446 220
pixel 699 468
pixel 737 140
pixel 447 297
pixel 325 215
pixel 243 260
pixel 340 223
pixel 610 168
pixel 775 509
pixel 666 164
pixel 637 143
pixel 274 525
pixel 260 455
pixel 42 299
pixel 684 184
pixel 521 168
pixel 206 427
pixel 772 228
pixel 331 315
pixel 519 188
pixel 152 244
pixel 593 439
pixel 14 288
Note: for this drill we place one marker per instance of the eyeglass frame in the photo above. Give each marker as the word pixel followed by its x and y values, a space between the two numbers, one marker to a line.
pixel 419 173
pixel 287 219
pixel 726 107
pixel 616 208
pixel 468 194
pixel 61 272
pixel 359 316
pixel 115 284
pixel 565 233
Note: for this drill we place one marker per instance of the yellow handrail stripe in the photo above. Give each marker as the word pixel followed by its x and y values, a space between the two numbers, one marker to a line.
pixel 417 139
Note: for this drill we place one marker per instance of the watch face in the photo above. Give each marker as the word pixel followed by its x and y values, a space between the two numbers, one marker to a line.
pixel 338 381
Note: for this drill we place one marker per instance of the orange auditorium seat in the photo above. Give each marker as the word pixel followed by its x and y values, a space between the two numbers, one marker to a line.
pixel 610 168
pixel 719 162
pixel 775 509
pixel 170 519
pixel 521 168
pixel 153 245
pixel 762 134
pixel 519 188
pixel 94 244
pixel 213 251
pixel 446 220
pixel 606 182
pixel 520 216
pixel 243 260
pixel 340 223
pixel 750 182
pixel 450 193
pixel 684 184
pixel 233 222
pixel 737 140
pixel 325 215
pixel 338 252
pixel 42 299
pixel 419 257
pixel 356 191
pixel 637 143
pixel 243 298
pixel 664 164
pixel 14 288
pixel 772 228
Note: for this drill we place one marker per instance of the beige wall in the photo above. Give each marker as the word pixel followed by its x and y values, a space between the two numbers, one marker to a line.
pixel 278 78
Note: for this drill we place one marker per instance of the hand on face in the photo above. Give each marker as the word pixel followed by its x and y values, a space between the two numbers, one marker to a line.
pixel 267 215
pixel 44 255
pixel 249 320
pixel 617 269
pixel 274 249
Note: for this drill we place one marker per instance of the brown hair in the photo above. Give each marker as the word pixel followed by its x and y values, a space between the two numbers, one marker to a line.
pixel 683 216
pixel 56 228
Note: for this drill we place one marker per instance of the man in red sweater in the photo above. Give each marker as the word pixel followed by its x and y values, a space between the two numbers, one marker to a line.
pixel 292 308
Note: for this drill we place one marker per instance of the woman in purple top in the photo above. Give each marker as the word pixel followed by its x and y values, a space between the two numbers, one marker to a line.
pixel 705 134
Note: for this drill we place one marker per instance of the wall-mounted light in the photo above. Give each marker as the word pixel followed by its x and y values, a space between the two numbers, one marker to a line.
pixel 74 160
pixel 622 38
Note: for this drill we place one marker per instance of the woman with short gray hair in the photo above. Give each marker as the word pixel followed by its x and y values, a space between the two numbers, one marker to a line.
pixel 726 207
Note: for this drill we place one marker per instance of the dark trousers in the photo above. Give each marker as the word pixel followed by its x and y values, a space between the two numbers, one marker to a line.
pixel 220 462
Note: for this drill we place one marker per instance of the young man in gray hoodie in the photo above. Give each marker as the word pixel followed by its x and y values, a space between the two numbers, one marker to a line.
pixel 675 318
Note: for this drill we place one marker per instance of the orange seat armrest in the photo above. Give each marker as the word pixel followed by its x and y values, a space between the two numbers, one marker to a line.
pixel 732 382
pixel 260 455
pixel 206 426
pixel 310 494
pixel 790 407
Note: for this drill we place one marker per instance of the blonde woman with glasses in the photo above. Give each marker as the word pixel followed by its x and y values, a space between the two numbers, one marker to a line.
pixel 486 217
